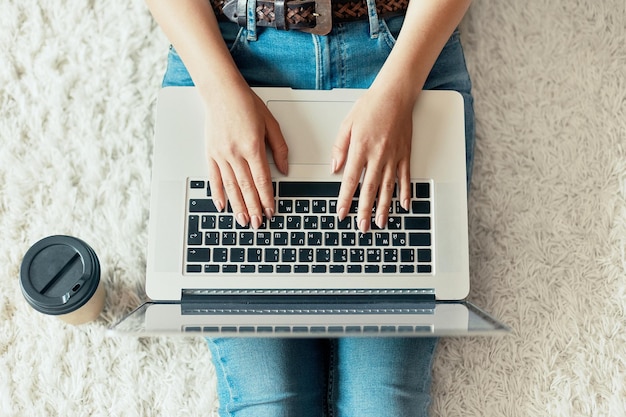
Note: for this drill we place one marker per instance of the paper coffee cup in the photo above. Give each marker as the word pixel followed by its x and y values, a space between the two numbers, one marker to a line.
pixel 60 276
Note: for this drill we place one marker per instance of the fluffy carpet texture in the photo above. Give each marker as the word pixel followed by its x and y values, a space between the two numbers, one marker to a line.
pixel 547 211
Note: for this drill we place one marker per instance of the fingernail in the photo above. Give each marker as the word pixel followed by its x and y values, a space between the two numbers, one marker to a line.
pixel 380 221
pixel 333 166
pixel 405 204
pixel 242 219
pixel 363 225
pixel 219 205
pixel 341 213
pixel 269 213
pixel 255 222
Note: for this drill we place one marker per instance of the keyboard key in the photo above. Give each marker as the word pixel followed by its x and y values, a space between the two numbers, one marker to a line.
pixel 266 269
pixel 194 238
pixel 198 255
pixel 407 255
pixel 365 239
pixel 263 238
pixel 272 254
pixel 196 184
pixel 400 209
pixel 300 269
pixel 348 239
pixel 202 205
pixel 318 269
pixel 423 255
pixel 419 239
pixel 381 238
pixel 229 238
pixel 336 269
pixel 246 238
pixel 308 189
pixel 314 238
pixel 422 190
pixel 283 269
pixel 373 255
pixel 394 223
pixel 420 207
pixel 288 255
pixel 225 222
pixel 297 238
pixel 398 239
pixel 340 255
pixel 237 255
pixel 311 222
pixel 212 238
pixel 192 269
pixel 424 269
pixel 322 255
pixel 318 206
pixel 254 255
pixel 281 238
pixel 285 206
pixel 390 255
pixel 247 268
pixel 371 269
pixel 229 268
pixel 357 255
pixel 327 222
pixel 208 269
pixel 354 269
pixel 331 238
pixel 194 222
pixel 220 255
pixel 389 269
pixel 345 224
pixel 294 222
pixel 209 221
pixel 303 206
pixel 417 223
pixel 406 269
pixel 305 255
pixel 277 222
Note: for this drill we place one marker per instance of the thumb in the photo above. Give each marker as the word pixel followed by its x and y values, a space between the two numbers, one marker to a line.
pixel 278 146
pixel 340 148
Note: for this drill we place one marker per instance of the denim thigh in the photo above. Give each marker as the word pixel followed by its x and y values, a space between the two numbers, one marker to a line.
pixel 271 377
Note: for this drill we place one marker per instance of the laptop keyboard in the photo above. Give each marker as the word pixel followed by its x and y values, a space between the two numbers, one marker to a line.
pixel 305 236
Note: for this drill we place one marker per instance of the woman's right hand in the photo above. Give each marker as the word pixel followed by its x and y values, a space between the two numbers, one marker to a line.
pixel 239 125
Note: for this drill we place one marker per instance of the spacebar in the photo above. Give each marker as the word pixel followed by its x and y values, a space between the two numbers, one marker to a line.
pixel 308 189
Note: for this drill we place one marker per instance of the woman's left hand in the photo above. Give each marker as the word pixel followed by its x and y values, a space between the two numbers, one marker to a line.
pixel 374 143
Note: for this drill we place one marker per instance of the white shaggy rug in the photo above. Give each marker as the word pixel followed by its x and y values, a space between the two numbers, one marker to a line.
pixel 78 81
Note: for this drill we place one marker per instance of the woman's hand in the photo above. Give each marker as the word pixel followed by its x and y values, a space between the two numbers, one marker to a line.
pixel 239 126
pixel 374 142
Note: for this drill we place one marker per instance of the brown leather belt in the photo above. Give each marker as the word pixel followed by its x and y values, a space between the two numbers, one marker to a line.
pixel 313 16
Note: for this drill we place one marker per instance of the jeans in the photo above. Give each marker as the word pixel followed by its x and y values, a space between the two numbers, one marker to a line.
pixel 320 377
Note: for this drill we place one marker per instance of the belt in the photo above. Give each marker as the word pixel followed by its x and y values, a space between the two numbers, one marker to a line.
pixel 313 16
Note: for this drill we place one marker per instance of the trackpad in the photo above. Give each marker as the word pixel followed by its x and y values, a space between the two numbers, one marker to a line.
pixel 310 139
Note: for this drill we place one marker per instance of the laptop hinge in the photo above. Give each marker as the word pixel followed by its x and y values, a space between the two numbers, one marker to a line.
pixel 303 301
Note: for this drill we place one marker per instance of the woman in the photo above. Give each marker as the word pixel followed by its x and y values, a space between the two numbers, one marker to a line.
pixel 392 49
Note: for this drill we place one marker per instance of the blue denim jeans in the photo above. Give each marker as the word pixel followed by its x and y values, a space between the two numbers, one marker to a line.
pixel 343 377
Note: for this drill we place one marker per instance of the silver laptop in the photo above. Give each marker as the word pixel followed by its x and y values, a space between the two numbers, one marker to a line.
pixel 304 273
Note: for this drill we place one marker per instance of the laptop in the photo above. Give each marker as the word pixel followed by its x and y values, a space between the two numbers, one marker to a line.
pixel 304 273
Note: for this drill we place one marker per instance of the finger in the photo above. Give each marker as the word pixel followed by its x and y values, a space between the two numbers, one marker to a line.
pixel 385 194
pixel 217 187
pixel 250 194
pixel 260 173
pixel 340 148
pixel 349 182
pixel 367 196
pixel 278 146
pixel 235 197
pixel 404 183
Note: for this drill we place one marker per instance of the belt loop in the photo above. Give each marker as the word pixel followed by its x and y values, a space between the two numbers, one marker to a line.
pixel 279 13
pixel 373 18
pixel 251 17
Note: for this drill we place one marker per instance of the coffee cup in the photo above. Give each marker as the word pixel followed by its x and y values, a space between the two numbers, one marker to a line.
pixel 60 276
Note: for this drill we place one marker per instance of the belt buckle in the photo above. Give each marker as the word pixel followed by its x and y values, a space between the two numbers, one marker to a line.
pixel 323 18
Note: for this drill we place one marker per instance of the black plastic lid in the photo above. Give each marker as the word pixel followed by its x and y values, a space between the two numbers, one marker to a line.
pixel 59 274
